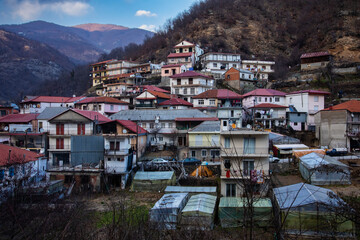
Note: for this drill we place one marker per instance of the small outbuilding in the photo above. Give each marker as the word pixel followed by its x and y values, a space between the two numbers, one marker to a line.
pixel 305 209
pixel 166 212
pixel 153 181
pixel 233 211
pixel 321 169
pixel 199 212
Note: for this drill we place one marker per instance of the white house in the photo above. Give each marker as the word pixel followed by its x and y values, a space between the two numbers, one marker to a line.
pixel 216 62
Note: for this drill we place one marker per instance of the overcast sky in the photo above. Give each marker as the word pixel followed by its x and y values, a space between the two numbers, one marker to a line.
pixel 146 14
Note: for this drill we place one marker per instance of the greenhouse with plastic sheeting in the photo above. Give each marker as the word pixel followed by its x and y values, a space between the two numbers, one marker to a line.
pixel 321 169
pixel 306 209
pixel 232 211
pixel 191 190
pixel 153 181
pixel 199 212
pixel 166 212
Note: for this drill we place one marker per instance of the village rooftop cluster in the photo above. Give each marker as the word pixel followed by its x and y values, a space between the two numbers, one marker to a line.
pixel 130 131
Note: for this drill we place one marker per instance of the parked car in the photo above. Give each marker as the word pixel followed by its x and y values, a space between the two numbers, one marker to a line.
pixel 159 160
pixel 190 161
pixel 273 159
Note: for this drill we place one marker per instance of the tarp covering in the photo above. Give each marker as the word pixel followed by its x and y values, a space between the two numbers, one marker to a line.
pixel 202 171
pixel 153 181
pixel 276 138
pixel 191 190
pixel 166 212
pixel 323 170
pixel 232 211
pixel 310 210
pixel 199 212
pixel 300 153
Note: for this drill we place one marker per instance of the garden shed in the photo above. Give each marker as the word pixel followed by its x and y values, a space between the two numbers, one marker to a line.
pixel 306 209
pixel 166 212
pixel 191 190
pixel 199 212
pixel 232 211
pixel 153 181
pixel 321 169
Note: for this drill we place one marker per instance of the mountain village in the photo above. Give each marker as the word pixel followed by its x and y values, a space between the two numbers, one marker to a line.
pixel 204 132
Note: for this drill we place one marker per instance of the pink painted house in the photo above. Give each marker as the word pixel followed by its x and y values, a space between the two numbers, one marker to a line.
pixel 104 105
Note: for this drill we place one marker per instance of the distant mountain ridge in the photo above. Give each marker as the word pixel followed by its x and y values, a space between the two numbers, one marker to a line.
pixel 91 27
pixel 82 43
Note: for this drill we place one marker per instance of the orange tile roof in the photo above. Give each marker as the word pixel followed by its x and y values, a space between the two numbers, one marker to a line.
pixel 101 100
pixel 351 106
pixel 218 94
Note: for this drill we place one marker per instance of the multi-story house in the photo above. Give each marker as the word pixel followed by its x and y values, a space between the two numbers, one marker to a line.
pixel 261 69
pixel 189 84
pixel 39 103
pixel 19 167
pixel 6 110
pixel 216 62
pixel 172 69
pixel 104 105
pixel 150 99
pixel 186 53
pixel 204 141
pixel 22 130
pixel 223 104
pixel 306 101
pixel 110 69
pixel 165 127
pixel 268 115
pixel 239 78
pixel 244 162
pixel 62 130
pixel 259 96
pixel 124 142
pixel 315 60
pixel 339 126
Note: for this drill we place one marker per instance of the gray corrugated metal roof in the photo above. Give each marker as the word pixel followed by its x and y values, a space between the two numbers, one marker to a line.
pixel 164 114
pixel 207 126
pixel 154 175
pixel 190 189
pixel 51 112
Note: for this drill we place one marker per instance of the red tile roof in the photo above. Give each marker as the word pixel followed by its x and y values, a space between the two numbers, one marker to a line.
pixel 16 155
pixel 172 65
pixel 313 92
pixel 190 74
pixel 179 55
pixel 264 92
pixel 132 126
pixel 315 54
pixel 19 118
pixel 102 100
pixel 159 94
pixel 176 102
pixel 91 115
pixel 218 94
pixel 351 106
pixel 52 99
pixel 268 105
pixel 154 88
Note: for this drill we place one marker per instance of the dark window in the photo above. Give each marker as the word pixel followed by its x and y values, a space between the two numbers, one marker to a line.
pixel 231 190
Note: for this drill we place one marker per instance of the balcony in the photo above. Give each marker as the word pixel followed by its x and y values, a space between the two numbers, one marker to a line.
pixel 353 122
pixel 353 134
pixel 240 152
pixel 65 147
pixel 145 105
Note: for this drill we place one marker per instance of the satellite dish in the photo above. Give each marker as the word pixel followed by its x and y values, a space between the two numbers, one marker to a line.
pixel 124 131
pixel 6 128
pixel 107 146
pixel 41 130
pixel 248 126
pixel 271 110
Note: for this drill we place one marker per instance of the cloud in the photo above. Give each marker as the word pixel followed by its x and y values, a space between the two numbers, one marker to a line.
pixel 148 27
pixel 145 13
pixel 32 9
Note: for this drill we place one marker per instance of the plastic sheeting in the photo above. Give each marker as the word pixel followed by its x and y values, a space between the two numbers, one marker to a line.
pixel 323 170
pixel 300 153
pixel 232 211
pixel 311 210
pixel 191 190
pixel 199 212
pixel 166 212
pixel 153 181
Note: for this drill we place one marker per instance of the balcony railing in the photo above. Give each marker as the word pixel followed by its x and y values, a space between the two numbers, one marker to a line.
pixel 65 147
pixel 145 105
pixel 241 152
